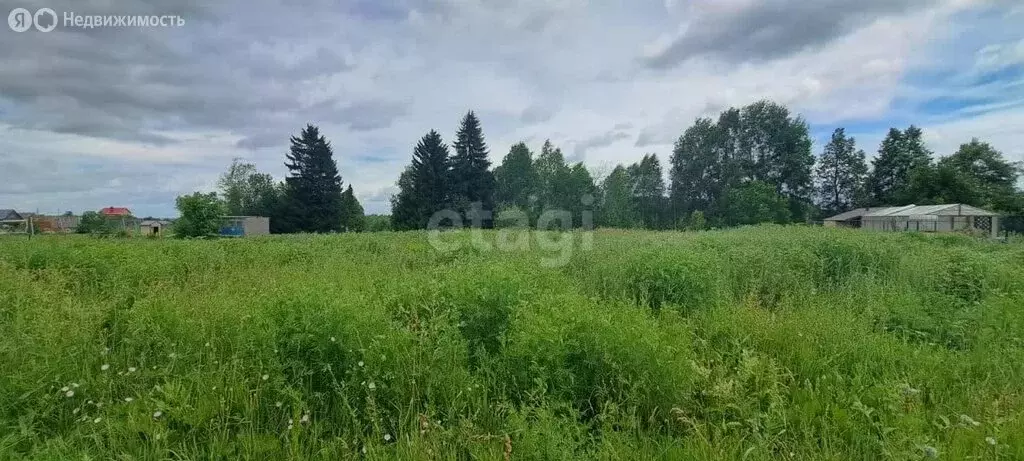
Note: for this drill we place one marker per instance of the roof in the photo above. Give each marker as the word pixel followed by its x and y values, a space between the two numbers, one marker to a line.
pixel 954 209
pixel 855 213
pixel 118 211
pixel 8 213
pixel 154 222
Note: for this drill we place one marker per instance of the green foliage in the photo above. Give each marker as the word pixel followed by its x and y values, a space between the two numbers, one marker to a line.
pixel 901 157
pixel 312 195
pixel 755 202
pixel 201 215
pixel 352 218
pixel 425 187
pixel 617 208
pixel 759 142
pixel 841 175
pixel 472 182
pixel 743 344
pixel 91 222
pixel 378 223
pixel 648 191
pixel 516 179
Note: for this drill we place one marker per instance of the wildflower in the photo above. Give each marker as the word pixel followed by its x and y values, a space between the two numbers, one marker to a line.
pixel 64 389
pixel 968 421
pixel 332 339
pixel 173 355
pixel 364 449
pixel 97 420
pixel 69 393
pixel 305 419
pixel 290 426
pixel 106 350
pixel 909 391
pixel 74 384
pixel 930 452
pixel 387 437
pixel 278 404
pixel 361 363
pixel 157 414
pixel 128 399
pixel 207 344
pixel 75 412
pixel 372 386
pixel 990 440
pixel 157 437
pixel 105 367
pixel 132 369
pixel 120 373
pixel 266 377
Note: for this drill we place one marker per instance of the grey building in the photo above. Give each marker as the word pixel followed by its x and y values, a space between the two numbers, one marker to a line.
pixel 925 218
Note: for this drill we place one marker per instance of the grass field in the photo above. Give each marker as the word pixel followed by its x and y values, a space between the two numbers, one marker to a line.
pixel 758 343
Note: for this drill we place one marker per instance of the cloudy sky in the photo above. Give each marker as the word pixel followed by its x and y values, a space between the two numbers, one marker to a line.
pixel 136 116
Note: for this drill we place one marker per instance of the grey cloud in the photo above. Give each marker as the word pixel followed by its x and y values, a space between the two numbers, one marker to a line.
pixel 371 115
pixel 772 29
pixel 654 136
pixel 536 114
pixel 579 152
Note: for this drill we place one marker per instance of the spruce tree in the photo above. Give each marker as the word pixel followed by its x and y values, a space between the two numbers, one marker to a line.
pixel 471 179
pixel 841 173
pixel 424 187
pixel 353 219
pixel 516 179
pixel 313 193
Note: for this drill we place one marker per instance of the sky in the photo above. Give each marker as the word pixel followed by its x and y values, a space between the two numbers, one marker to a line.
pixel 135 116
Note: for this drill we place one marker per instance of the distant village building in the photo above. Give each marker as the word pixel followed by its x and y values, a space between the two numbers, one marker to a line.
pixel 115 211
pixel 154 227
pixel 8 214
pixel 925 218
pixel 244 226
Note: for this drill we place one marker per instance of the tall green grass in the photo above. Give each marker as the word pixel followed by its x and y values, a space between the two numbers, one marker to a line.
pixel 758 343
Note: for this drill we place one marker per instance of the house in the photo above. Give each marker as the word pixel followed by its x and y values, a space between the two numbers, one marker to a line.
pixel 244 226
pixel 115 211
pixel 154 227
pixel 10 215
pixel 851 218
pixel 926 218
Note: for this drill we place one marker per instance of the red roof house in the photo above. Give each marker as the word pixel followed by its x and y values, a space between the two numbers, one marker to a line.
pixel 115 211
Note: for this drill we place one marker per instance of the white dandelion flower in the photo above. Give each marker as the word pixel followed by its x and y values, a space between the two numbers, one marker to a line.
pixel 128 399
pixel 132 369
pixel 157 436
pixel 97 420
pixel 387 437
pixel 372 386
pixel 930 452
pixel 290 426
pixel 332 339
pixel 364 450
pixel 69 393
pixel 105 367
pixel 305 419
pixel 361 363
pixel 157 414
pixel 968 421
pixel 266 377
pixel 990 440
pixel 64 389
pixel 278 404
pixel 75 411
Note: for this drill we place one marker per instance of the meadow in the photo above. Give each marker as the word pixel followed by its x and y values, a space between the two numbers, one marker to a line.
pixel 758 343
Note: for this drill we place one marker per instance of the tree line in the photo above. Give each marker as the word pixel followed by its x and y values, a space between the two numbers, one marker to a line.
pixel 752 164
pixel 311 199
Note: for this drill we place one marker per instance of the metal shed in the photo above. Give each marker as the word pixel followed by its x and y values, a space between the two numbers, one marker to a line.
pixel 932 218
pixel 243 226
